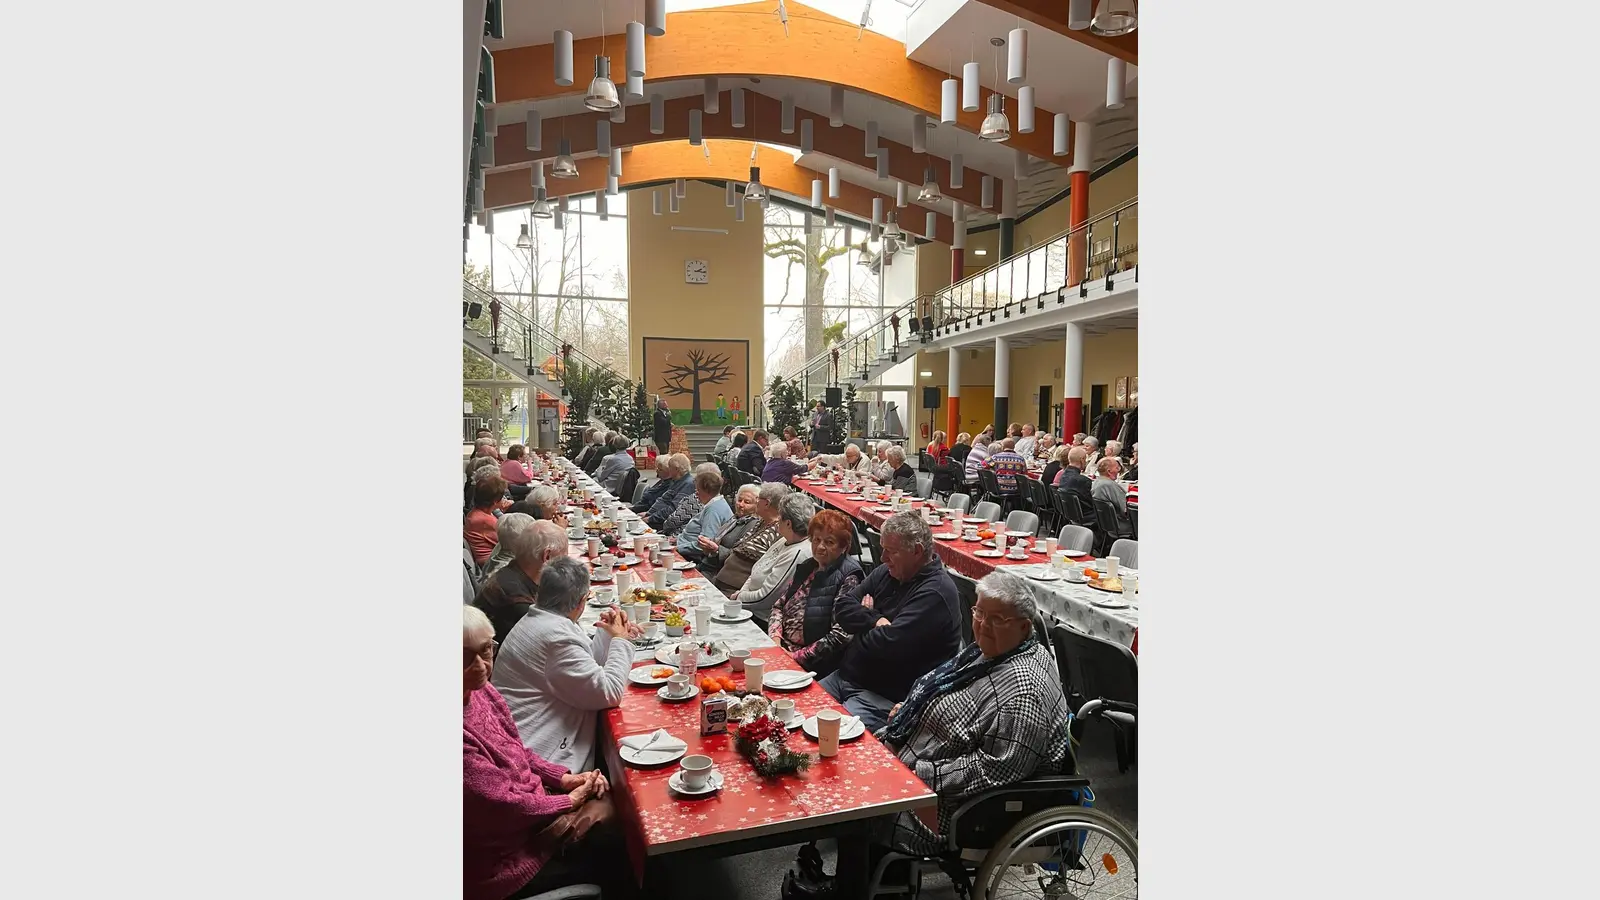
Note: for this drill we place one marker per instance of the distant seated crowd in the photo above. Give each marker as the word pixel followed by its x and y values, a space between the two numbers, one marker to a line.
pixel 887 642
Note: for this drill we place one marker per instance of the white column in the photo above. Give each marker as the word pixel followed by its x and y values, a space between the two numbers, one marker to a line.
pixel 955 375
pixel 1072 382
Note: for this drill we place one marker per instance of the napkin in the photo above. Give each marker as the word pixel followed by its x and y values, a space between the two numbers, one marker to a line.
pixel 656 740
pixel 785 677
pixel 848 722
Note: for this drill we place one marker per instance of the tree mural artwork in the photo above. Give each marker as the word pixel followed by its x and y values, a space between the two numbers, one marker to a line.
pixel 702 368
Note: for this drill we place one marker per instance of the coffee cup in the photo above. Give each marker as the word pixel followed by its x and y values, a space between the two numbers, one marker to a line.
pixel 607 559
pixel 970 532
pixel 1111 566
pixel 594 547
pixel 828 732
pixel 754 668
pixel 1040 546
pixel 603 572
pixel 672 576
pixel 659 579
pixel 731 609
pixel 783 710
pixel 678 686
pixel 652 630
pixel 605 595
pixel 737 658
pixel 696 771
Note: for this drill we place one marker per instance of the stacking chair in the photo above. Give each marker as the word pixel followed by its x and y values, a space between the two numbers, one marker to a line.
pixel 959 501
pixel 1126 551
pixel 1112 525
pixel 875 544
pixel 1076 538
pixel 1023 520
pixel 967 598
pixel 1076 514
pixel 925 485
pixel 630 480
pixel 639 488
pixel 1043 504
pixel 1101 681
pixel 987 511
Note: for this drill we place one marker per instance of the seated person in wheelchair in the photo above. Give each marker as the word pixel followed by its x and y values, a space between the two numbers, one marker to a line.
pixel 991 716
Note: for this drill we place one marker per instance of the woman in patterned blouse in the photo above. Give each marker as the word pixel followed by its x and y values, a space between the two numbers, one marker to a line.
pixel 802 616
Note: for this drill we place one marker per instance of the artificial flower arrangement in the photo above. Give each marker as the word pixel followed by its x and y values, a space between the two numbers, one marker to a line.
pixel 762 739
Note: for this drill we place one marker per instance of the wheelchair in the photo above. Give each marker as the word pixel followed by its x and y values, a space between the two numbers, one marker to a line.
pixel 1037 838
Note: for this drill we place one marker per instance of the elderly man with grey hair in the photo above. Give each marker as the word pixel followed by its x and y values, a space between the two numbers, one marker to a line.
pixel 674 471
pixel 507 596
pixel 903 618
pixel 555 676
pixel 851 460
pixel 511 524
pixel 777 565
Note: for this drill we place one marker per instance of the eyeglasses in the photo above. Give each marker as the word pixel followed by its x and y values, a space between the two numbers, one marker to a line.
pixel 979 617
pixel 486 652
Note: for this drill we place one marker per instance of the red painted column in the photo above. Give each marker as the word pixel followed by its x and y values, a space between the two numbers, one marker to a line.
pixel 1078 211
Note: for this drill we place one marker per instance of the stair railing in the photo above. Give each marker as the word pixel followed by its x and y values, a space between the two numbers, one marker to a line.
pixel 526 341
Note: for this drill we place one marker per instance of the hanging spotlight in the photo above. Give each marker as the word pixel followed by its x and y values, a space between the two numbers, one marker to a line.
pixel 930 188
pixel 958 172
pixel 969 87
pixel 1079 12
pixel 754 192
pixel 736 115
pixel 564 166
pixel 534 130
pixel 635 49
pixel 1025 109
pixel 655 17
pixel 1113 18
pixel 835 106
pixel 524 241
pixel 996 127
pixel 1017 56
pixel 711 101
pixel 602 93
pixel 1062 126
pixel 1116 83
pixel 541 210
pixel 805 136
pixel 563 58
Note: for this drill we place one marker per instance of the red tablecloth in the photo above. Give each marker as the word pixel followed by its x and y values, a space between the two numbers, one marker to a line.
pixel 959 554
pixel 863 780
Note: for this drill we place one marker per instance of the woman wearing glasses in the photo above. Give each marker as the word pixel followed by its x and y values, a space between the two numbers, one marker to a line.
pixel 521 816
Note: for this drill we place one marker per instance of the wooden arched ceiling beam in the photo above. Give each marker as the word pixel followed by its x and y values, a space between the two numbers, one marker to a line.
pixel 731 42
pixel 1052 14
pixel 762 123
pixel 730 161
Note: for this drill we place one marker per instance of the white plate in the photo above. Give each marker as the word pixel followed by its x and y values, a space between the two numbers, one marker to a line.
pixel 1109 603
pixel 640 675
pixel 597 602
pixel 662 693
pixel 683 566
pixel 1022 558
pixel 627 561
pixel 796 684
pixel 1072 577
pixel 1017 534
pixel 988 554
pixel 1045 574
pixel 974 520
pixel 846 733
pixel 598 578
pixel 669 656
pixel 743 616
pixel 713 784
pixel 946 535
pixel 882 509
pixel 650 758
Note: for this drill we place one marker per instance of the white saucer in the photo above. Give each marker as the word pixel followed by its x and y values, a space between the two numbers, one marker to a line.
pixel 974 520
pixel 798 720
pixel 683 566
pixel 1017 534
pixel 597 578
pixel 1074 578
pixel 597 602
pixel 640 675
pixel 662 693
pixel 988 554
pixel 650 758
pixel 713 784
pixel 743 616
pixel 1045 575
pixel 946 535
pixel 845 733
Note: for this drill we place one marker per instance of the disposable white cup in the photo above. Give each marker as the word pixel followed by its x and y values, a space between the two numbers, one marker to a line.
pixel 754 668
pixel 828 732
pixel 702 620
pixel 1111 566
pixel 594 547
pixel 659 579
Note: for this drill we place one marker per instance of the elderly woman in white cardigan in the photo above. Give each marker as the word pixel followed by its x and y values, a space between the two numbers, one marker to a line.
pixel 774 568
pixel 554 677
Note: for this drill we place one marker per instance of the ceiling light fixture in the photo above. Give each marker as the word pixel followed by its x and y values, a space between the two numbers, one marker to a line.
pixel 980 252
pixel 534 130
pixel 930 187
pixel 1025 109
pixel 563 58
pixel 541 210
pixel 524 242
pixel 565 166
pixel 949 101
pixel 1017 56
pixel 655 17
pixel 754 192
pixel 602 93
pixel 1079 12
pixel 1116 83
pixel 1114 18
pixel 996 127
pixel 635 50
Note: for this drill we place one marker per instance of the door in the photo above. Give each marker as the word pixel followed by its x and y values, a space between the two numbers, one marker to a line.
pixel 1044 420
pixel 1097 405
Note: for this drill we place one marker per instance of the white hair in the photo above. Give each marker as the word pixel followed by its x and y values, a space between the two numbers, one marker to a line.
pixel 511 525
pixel 996 446
pixel 849 447
pixel 473 619
pixel 772 492
pixel 533 544
pixel 1012 591
pixel 910 528
pixel 754 490
pixel 544 497
pixel 1091 441
pixel 780 451
pixel 563 585
pixel 1113 448
pixel 897 453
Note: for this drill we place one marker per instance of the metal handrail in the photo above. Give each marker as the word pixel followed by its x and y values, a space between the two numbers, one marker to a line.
pixel 531 332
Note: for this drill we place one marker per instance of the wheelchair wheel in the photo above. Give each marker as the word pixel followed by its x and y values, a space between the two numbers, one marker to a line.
pixel 1070 852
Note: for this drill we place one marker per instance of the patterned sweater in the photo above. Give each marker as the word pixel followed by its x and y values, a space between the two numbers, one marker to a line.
pixel 1007 726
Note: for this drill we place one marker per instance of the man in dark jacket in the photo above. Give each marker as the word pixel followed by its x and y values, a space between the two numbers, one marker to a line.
pixel 678 485
pixel 753 458
pixel 904 619
pixel 507 595
pixel 1074 482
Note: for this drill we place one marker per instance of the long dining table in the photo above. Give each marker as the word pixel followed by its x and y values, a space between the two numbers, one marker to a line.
pixel 843 796
pixel 1085 608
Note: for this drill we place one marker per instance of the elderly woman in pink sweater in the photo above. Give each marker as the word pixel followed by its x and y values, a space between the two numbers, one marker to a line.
pixel 518 811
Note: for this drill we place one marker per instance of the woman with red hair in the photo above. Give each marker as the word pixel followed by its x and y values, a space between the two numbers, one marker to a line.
pixel 802 616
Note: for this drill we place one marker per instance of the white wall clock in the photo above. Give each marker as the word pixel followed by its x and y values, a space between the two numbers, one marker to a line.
pixel 695 271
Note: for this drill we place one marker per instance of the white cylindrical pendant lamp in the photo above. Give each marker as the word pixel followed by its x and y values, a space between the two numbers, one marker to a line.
pixel 930 224
pixel 959 239
pixel 899 194
pixel 616 162
pixel 1116 82
pixel 711 102
pixel 563 58
pixel 1063 127
pixel 694 127
pixel 635 49
pixel 786 116
pixel 538 174
pixel 633 88
pixel 1016 56
pixel 535 130
pixel 816 192
pixel 736 115
pixel 877 211
pixel 987 198
pixel 835 106
pixel 919 134
pixel 1025 109
pixel 958 172
pixel 970 88
pixel 655 17
pixel 806 135
pixel 1079 14
pixel 602 137
pixel 1082 147
pixel 658 114
pixel 958 212
pixel 833 182
pixel 949 101
pixel 612 187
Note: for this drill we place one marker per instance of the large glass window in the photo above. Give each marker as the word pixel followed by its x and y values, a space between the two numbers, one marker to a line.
pixel 816 291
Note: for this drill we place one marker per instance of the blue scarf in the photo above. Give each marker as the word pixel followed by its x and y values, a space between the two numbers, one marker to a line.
pixel 952 675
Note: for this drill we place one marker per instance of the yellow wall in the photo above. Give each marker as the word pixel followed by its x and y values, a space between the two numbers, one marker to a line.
pixel 661 304
pixel 933 267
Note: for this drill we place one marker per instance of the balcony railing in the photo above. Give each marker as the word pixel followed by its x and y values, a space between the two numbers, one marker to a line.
pixel 528 343
pixel 1101 250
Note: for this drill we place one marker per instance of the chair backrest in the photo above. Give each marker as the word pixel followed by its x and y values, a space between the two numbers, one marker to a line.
pixel 987 481
pixel 1023 520
pixel 875 544
pixel 924 461
pixel 988 511
pixel 960 501
pixel 630 480
pixel 1094 668
pixel 470 590
pixel 1073 506
pixel 1105 516
pixel 639 487
pixel 925 485
pixel 1126 550
pixel 1076 538
pixel 966 599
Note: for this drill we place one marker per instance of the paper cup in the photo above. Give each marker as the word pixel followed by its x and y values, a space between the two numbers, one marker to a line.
pixel 754 668
pixel 702 620
pixel 659 579
pixel 624 583
pixel 1111 566
pixel 594 547
pixel 1051 545
pixel 696 771
pixel 828 732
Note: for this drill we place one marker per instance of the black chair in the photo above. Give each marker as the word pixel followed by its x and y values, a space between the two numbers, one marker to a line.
pixel 966 599
pixel 1103 673
pixel 1072 505
pixel 1111 526
pixel 875 544
pixel 946 479
pixel 629 482
pixel 1043 505
pixel 993 493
